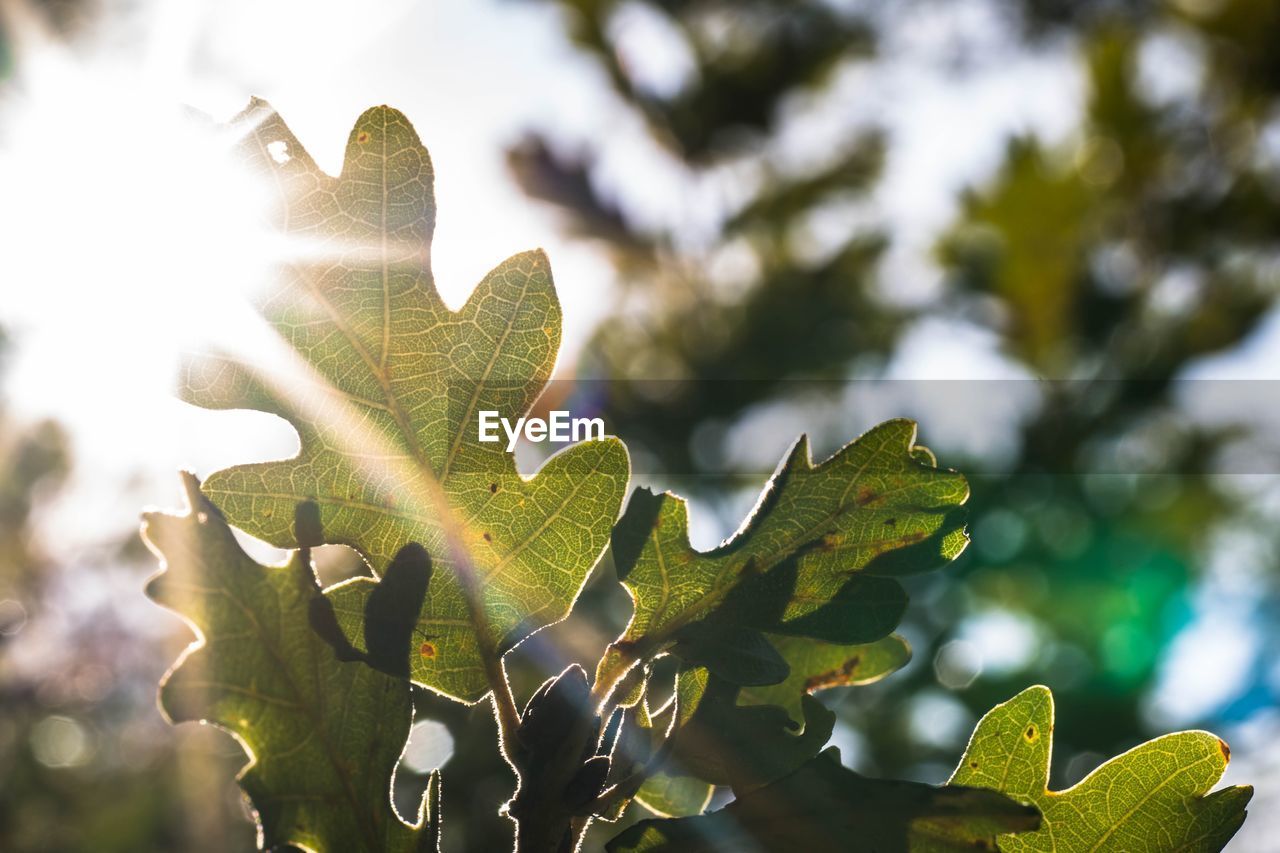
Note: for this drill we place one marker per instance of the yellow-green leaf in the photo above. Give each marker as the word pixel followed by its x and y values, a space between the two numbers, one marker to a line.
pixel 323 736
pixel 1155 797
pixel 815 665
pixel 674 796
pixel 384 385
pixel 816 559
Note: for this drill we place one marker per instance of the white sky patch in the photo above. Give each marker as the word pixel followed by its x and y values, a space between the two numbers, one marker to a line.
pixel 430 746
pixel 1006 642
pixel 1171 66
pixel 1257 357
pixel 957 664
pixel 654 52
pixel 939 719
pixel 951 377
pixel 1207 663
pixel 1235 388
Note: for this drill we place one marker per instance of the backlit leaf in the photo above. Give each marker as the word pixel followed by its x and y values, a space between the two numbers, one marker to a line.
pixel 674 796
pixel 384 385
pixel 816 559
pixel 323 736
pixel 815 665
pixel 1155 797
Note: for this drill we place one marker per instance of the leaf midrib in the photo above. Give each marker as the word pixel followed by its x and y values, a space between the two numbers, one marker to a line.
pixel 375 366
pixel 1145 798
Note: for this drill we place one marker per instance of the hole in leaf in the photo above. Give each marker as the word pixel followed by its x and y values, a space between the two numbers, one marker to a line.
pixel 279 151
pixel 335 563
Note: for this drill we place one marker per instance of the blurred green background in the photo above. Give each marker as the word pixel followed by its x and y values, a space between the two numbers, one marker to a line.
pixel 1049 231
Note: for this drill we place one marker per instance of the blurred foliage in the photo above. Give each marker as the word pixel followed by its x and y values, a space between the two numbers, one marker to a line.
pixel 698 317
pixel 86 763
pixel 747 55
pixel 33 458
pixel 1111 262
pixel 1147 243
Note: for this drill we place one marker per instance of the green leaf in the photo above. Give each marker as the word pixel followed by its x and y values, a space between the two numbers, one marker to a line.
pixel 724 743
pixel 736 654
pixel 815 665
pixel 323 736
pixel 1151 798
pixel 633 747
pixel 824 807
pixel 816 558
pixel 384 385
pixel 674 796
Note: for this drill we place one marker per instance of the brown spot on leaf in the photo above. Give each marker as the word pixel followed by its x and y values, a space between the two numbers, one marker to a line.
pixel 427 650
pixel 1031 734
pixel 493 488
pixel 362 137
pixel 890 522
pixel 488 537
pixel 833 677
pixel 1226 750
pixel 866 495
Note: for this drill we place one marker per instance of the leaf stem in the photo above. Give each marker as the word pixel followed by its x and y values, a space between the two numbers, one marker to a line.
pixel 504 703
pixel 615 664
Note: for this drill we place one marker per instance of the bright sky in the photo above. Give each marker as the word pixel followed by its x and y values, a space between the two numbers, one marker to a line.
pixel 105 286
pixel 108 289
